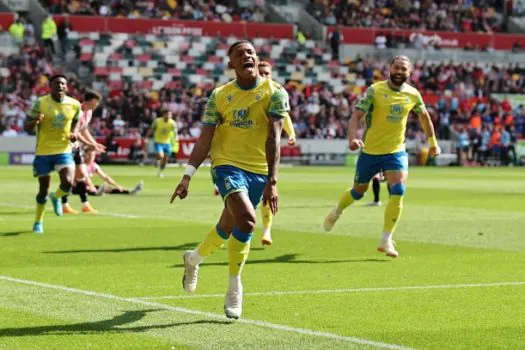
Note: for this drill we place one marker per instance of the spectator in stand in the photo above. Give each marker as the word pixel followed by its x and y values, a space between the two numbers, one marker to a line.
pixel 218 10
pixel 484 148
pixel 495 143
pixel 437 15
pixel 335 38
pixel 49 33
pixel 17 30
pixel 381 41
pixel 62 33
pixel 462 145
pixel 9 131
pixel 506 144
pixel 512 146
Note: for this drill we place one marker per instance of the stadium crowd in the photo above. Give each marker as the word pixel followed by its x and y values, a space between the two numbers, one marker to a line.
pixel 215 10
pixel 457 96
pixel 464 16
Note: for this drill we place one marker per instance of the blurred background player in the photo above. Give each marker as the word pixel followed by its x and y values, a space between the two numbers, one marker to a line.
pixel 376 188
pixel 247 111
pixel 92 168
pixel 164 130
pixel 91 101
pixel 384 146
pixel 53 116
pixel 265 70
pixel 174 146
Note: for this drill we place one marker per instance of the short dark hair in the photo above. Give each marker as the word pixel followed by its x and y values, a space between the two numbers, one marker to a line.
pixel 57 76
pixel 92 95
pixel 163 112
pixel 237 43
pixel 402 58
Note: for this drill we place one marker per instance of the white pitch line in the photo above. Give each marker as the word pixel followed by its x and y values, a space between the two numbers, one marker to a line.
pixel 343 291
pixel 177 309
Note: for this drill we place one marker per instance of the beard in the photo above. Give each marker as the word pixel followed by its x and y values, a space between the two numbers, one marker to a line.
pixel 398 79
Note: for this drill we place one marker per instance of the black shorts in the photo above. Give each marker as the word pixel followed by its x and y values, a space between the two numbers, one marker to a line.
pixel 78 156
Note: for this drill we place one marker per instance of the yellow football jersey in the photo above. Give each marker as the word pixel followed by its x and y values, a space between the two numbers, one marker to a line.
pixel 386 117
pixel 165 131
pixel 241 119
pixel 52 133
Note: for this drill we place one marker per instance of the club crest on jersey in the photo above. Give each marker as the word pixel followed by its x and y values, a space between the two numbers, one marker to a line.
pixel 240 118
pixel 259 95
pixel 228 183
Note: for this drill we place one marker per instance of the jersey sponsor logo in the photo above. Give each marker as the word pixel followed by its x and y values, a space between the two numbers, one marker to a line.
pixel 229 98
pixel 59 121
pixel 396 112
pixel 240 118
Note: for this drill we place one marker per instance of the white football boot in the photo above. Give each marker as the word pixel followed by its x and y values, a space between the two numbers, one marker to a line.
pixel 331 219
pixel 191 274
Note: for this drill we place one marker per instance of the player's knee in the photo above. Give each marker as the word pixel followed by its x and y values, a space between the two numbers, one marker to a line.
pixel 246 222
pixel 66 185
pixel 224 230
pixel 241 235
pixel 358 192
pixel 41 197
pixel 398 189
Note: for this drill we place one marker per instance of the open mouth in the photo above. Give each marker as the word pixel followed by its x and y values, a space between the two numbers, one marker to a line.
pixel 248 64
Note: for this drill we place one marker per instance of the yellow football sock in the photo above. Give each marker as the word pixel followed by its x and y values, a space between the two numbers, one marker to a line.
pixel 40 210
pixel 59 193
pixel 267 216
pixel 211 243
pixel 347 198
pixel 392 213
pixel 237 253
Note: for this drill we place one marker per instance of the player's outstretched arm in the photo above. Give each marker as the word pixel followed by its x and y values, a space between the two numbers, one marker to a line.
pixel 428 128
pixel 273 155
pixel 353 124
pixel 107 178
pixel 198 155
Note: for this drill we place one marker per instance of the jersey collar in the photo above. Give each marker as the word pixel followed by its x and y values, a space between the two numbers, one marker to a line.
pixel 257 83
pixel 392 87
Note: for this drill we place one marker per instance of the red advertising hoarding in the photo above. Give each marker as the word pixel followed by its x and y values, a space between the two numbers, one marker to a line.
pixel 6 19
pixel 123 148
pixel 367 36
pixel 177 27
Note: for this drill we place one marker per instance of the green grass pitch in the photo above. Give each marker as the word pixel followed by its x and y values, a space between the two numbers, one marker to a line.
pixel 113 281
